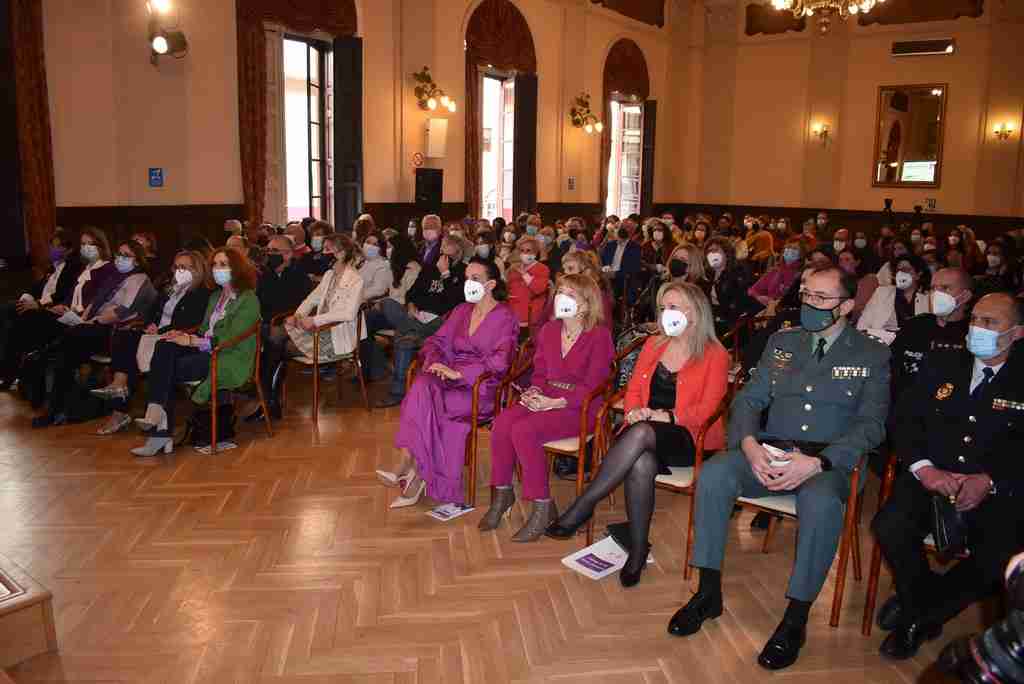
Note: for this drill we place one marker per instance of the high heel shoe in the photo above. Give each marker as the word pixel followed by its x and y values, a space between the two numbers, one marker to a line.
pixel 155 445
pixel 501 503
pixel 144 425
pixel 630 578
pixel 544 513
pixel 405 501
pixel 389 479
pixel 557 530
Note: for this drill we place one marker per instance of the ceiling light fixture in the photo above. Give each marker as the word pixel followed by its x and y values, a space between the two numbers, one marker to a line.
pixel 825 10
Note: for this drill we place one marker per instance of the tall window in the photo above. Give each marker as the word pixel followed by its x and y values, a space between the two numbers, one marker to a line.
pixel 626 162
pixel 498 118
pixel 308 122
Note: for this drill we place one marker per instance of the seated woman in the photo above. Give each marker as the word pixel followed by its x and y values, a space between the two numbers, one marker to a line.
pixel 686 265
pixel 576 263
pixel 677 385
pixel 179 307
pixel 655 251
pixel 849 261
pixel 479 336
pixel 315 263
pixel 725 285
pixel 573 358
pixel 125 296
pixel 898 247
pixel 528 283
pixel 892 305
pixel 1001 272
pixel 772 285
pixel 185 357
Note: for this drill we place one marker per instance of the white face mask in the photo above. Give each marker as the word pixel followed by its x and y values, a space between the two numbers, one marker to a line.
pixel 943 303
pixel 904 280
pixel 673 322
pixel 483 251
pixel 565 306
pixel 860 243
pixel 430 235
pixel 839 245
pixel 412 231
pixel 715 259
pixel 994 260
pixel 182 277
pixel 474 291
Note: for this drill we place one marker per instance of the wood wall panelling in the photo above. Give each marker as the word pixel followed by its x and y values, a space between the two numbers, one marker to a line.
pixel 397 214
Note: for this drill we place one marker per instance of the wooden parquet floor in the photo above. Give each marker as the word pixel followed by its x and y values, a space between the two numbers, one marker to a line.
pixel 280 563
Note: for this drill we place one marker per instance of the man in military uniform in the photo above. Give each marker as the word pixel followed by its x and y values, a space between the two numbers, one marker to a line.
pixel 825 387
pixel 943 329
pixel 961 429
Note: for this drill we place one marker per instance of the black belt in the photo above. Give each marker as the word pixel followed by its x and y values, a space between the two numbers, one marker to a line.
pixel 809 448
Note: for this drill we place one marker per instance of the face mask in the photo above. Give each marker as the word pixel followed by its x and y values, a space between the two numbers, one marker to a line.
pixel 678 268
pixel 822 221
pixel 860 243
pixel 983 343
pixel 943 303
pixel 473 291
pixel 274 261
pixel 371 251
pixel 509 237
pixel 456 234
pixel 954 240
pixel 57 254
pixel 715 259
pixel 483 251
pixel 430 235
pixel 673 322
pixel 124 264
pixel 545 240
pixel 565 306
pixel 791 256
pixel 994 260
pixel 839 245
pixel 816 320
pixel 915 237
pixel 658 236
pixel 222 276
pixel 90 253
pixel 412 231
pixel 317 243
pixel 182 277
pixel 527 259
pixel 531 230
pixel 904 280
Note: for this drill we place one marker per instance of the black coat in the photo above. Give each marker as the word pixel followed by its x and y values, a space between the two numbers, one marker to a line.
pixel 733 300
pixel 187 314
pixel 65 282
pixel 282 292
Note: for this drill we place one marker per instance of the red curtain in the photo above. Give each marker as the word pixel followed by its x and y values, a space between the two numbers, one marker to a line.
pixel 35 147
pixel 336 17
pixel 625 77
pixel 499 36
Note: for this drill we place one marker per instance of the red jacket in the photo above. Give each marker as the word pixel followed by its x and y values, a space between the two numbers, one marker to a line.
pixel 528 300
pixel 700 386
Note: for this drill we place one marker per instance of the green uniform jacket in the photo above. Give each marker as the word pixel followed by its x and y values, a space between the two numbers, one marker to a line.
pixel 234 365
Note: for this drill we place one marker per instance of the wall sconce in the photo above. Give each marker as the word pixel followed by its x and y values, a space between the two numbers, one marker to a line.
pixel 1003 131
pixel 429 95
pixel 821 131
pixel 164 38
pixel 582 117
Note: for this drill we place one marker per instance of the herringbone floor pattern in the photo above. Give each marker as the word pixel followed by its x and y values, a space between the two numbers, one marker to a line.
pixel 279 562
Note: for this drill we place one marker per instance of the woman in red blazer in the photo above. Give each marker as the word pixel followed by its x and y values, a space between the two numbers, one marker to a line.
pixel 528 283
pixel 679 380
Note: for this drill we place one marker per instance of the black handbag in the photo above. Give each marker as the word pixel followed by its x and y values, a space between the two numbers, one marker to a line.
pixel 949 530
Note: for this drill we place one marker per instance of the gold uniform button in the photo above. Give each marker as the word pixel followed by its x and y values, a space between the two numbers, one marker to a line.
pixel 810 388
pixel 972 419
pixel 849 393
pixel 968 439
pixel 804 428
pixel 961 459
pixel 807 407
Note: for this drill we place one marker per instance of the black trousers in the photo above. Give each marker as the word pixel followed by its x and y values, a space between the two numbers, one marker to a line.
pixel 994 536
pixel 29 331
pixel 124 349
pixel 173 364
pixel 74 349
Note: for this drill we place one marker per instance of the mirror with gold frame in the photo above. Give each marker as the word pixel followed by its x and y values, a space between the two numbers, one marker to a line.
pixel 909 129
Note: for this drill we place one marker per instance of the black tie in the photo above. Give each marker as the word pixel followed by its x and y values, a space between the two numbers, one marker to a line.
pixel 988 374
pixel 819 353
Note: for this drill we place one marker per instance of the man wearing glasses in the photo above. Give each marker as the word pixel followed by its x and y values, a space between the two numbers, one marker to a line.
pixel 825 388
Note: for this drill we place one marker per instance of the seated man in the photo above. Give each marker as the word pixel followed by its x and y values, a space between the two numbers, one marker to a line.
pixel 826 390
pixel 959 427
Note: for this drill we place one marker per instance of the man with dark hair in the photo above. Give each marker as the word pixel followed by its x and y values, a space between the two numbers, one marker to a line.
pixel 959 428
pixel 825 387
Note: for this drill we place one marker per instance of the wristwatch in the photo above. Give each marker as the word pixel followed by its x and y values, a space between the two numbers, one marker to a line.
pixel 826 463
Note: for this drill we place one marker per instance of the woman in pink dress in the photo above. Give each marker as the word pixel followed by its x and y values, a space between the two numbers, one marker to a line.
pixel 479 336
pixel 573 358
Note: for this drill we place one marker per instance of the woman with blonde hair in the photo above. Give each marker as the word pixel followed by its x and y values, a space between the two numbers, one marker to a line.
pixel 528 282
pixel 677 384
pixel 686 264
pixel 588 262
pixel 573 357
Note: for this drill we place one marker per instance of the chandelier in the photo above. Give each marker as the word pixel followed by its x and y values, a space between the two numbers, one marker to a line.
pixel 825 10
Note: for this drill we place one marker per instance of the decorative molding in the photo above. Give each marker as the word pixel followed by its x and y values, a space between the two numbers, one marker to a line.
pixel 647 11
pixel 913 11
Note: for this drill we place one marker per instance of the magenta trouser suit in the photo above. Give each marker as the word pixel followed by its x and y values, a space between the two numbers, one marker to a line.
pixel 520 434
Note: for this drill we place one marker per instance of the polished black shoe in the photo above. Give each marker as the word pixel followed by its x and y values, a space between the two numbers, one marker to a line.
pixel 558 531
pixel 48 419
pixel 690 617
pixel 890 615
pixel 904 641
pixel 628 578
pixel 783 648
pixel 389 401
pixel 257 415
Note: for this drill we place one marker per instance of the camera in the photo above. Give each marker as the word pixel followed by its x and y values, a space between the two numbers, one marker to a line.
pixel 996 655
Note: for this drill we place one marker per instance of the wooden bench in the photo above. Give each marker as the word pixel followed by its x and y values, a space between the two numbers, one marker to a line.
pixel 26 616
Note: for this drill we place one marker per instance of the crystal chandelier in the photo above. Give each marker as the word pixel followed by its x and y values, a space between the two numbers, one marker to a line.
pixel 825 10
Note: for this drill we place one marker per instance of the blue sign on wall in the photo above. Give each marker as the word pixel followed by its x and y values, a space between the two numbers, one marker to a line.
pixel 156 178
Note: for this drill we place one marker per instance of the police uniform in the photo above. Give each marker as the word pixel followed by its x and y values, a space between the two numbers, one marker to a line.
pixel 834 407
pixel 939 421
pixel 918 338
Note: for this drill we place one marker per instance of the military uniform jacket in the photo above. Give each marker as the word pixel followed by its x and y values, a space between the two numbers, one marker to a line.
pixel 938 420
pixel 841 401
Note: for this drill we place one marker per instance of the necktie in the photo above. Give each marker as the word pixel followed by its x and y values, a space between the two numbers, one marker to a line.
pixel 987 374
pixel 819 353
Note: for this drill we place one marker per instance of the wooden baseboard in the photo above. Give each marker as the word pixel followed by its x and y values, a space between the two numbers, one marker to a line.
pixel 27 627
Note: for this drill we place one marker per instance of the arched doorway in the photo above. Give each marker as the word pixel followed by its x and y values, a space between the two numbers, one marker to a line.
pixel 627 141
pixel 501 114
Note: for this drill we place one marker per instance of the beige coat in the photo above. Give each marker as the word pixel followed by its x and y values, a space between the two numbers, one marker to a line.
pixel 343 305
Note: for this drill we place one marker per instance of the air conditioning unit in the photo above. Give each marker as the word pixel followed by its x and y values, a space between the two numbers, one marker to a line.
pixel 919 48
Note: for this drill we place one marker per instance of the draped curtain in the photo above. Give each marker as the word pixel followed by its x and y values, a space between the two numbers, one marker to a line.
pixel 625 77
pixel 35 147
pixel 498 36
pixel 337 17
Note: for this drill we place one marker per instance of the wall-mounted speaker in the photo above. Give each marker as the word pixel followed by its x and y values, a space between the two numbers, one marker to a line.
pixel 918 48
pixel 429 184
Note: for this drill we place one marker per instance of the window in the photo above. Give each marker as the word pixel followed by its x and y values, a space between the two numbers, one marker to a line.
pixel 498 121
pixel 308 122
pixel 626 162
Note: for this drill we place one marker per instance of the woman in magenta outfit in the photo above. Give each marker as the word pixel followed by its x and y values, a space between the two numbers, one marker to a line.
pixel 573 358
pixel 479 336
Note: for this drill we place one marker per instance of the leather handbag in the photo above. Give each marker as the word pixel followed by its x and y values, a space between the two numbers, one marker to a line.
pixel 948 527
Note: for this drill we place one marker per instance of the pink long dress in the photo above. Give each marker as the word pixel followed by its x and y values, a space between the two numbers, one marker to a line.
pixel 435 419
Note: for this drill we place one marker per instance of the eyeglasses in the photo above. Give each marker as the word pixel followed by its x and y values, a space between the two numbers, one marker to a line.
pixel 818 299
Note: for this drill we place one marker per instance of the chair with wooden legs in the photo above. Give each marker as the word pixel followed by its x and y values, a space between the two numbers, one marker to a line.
pixel 253 331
